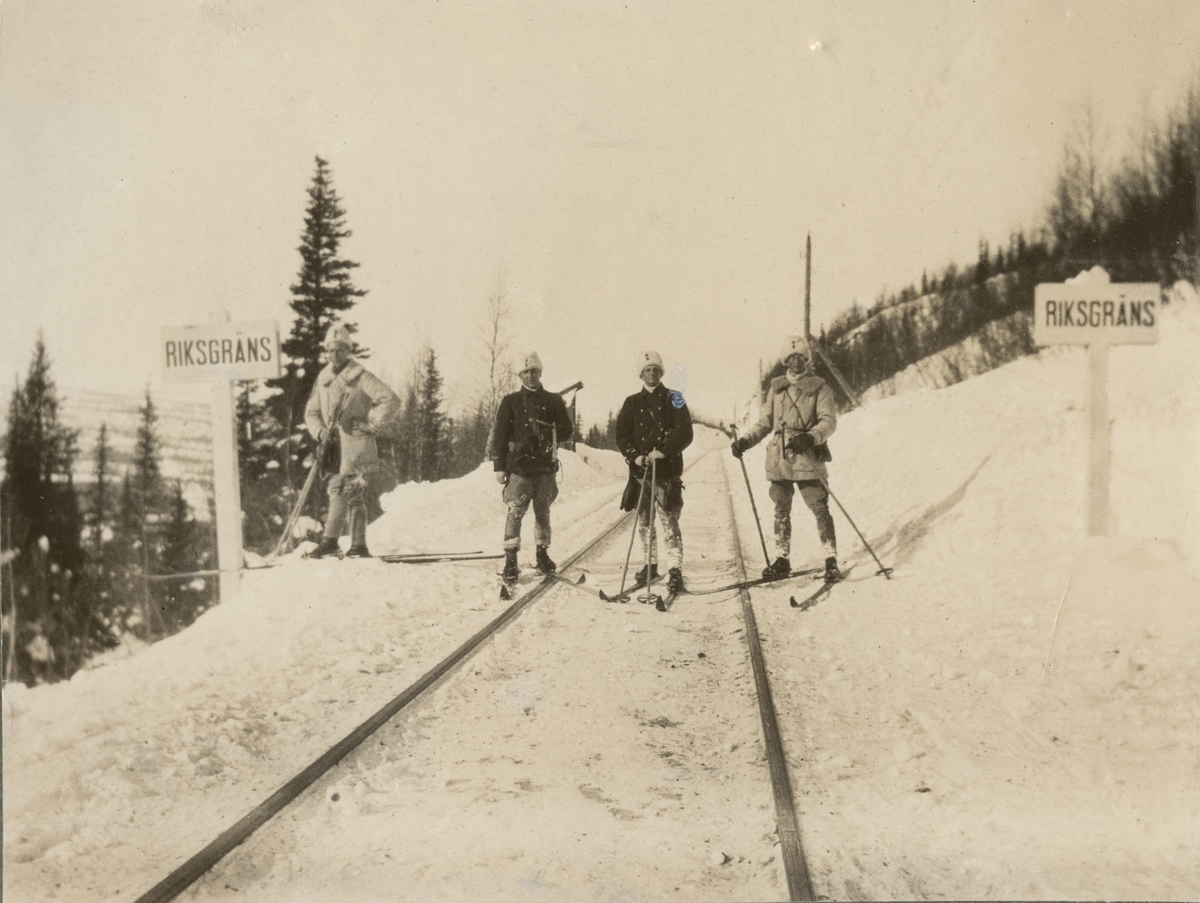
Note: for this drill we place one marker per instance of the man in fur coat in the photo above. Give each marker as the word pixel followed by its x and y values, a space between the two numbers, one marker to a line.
pixel 799 415
pixel 367 404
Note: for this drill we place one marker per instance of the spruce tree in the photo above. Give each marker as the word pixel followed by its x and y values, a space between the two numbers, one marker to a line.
pixel 983 266
pixel 147 470
pixel 184 550
pixel 146 517
pixel 102 568
pixel 128 595
pixel 42 533
pixel 322 293
pixel 266 501
pixel 432 432
pixel 407 444
pixel 100 512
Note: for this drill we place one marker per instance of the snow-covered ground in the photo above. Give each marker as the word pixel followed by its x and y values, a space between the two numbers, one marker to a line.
pixel 1013 715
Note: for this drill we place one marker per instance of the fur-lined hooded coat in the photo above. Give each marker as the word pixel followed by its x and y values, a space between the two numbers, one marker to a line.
pixel 806 407
pixel 368 401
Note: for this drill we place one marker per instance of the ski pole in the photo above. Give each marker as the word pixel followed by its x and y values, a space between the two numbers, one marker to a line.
pixel 753 507
pixel 650 537
pixel 295 515
pixel 887 572
pixel 312 476
pixel 636 512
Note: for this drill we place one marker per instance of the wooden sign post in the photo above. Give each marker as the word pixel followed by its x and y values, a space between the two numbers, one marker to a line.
pixel 1098 315
pixel 223 353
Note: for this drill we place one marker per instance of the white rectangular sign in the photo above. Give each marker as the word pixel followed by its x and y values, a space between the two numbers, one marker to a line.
pixel 1097 313
pixel 221 351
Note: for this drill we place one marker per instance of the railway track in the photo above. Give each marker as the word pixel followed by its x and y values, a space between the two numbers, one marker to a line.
pixel 569 739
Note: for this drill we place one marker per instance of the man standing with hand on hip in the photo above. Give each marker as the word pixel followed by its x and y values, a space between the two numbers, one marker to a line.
pixel 529 425
pixel 363 403
pixel 800 415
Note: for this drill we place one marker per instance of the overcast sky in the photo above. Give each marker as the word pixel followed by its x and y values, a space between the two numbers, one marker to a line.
pixel 638 175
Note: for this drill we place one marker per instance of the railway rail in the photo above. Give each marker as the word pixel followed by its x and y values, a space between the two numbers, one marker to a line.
pixel 786 820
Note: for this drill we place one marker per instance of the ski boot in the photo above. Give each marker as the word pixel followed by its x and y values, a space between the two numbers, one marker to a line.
pixel 358 552
pixel 777 570
pixel 544 563
pixel 832 574
pixel 326 547
pixel 675 580
pixel 511 569
pixel 640 576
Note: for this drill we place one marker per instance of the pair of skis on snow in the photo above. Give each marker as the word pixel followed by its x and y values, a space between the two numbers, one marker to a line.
pixel 661 603
pixel 508 587
pixel 826 586
pixel 804 603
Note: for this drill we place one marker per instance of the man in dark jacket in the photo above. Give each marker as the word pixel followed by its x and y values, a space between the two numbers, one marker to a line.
pixel 655 426
pixel 529 425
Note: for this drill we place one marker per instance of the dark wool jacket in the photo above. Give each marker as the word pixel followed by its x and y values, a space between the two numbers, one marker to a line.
pixel 524 441
pixel 650 420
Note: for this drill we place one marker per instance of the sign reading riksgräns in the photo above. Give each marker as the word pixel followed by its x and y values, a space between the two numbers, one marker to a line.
pixel 221 351
pixel 1098 314
pixel 1095 313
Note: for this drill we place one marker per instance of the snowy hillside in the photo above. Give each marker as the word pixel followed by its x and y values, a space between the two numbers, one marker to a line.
pixel 1013 715
pixel 184 426
pixel 184 429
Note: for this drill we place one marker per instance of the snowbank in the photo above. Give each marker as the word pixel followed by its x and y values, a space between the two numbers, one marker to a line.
pixel 467 514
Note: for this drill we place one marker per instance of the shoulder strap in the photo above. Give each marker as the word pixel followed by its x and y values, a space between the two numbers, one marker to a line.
pixel 796 407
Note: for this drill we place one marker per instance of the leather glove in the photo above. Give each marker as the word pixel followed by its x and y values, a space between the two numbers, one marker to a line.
pixel 801 442
pixel 502 477
pixel 655 455
pixel 639 461
pixel 739 446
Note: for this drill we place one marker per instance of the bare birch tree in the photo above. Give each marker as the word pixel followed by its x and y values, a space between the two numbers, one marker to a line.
pixel 1081 205
pixel 493 355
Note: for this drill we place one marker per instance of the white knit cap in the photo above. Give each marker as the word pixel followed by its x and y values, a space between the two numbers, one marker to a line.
pixel 338 335
pixel 795 344
pixel 649 358
pixel 530 361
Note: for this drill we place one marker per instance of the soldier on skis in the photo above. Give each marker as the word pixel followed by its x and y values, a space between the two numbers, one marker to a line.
pixel 655 425
pixel 800 415
pixel 529 425
pixel 363 403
